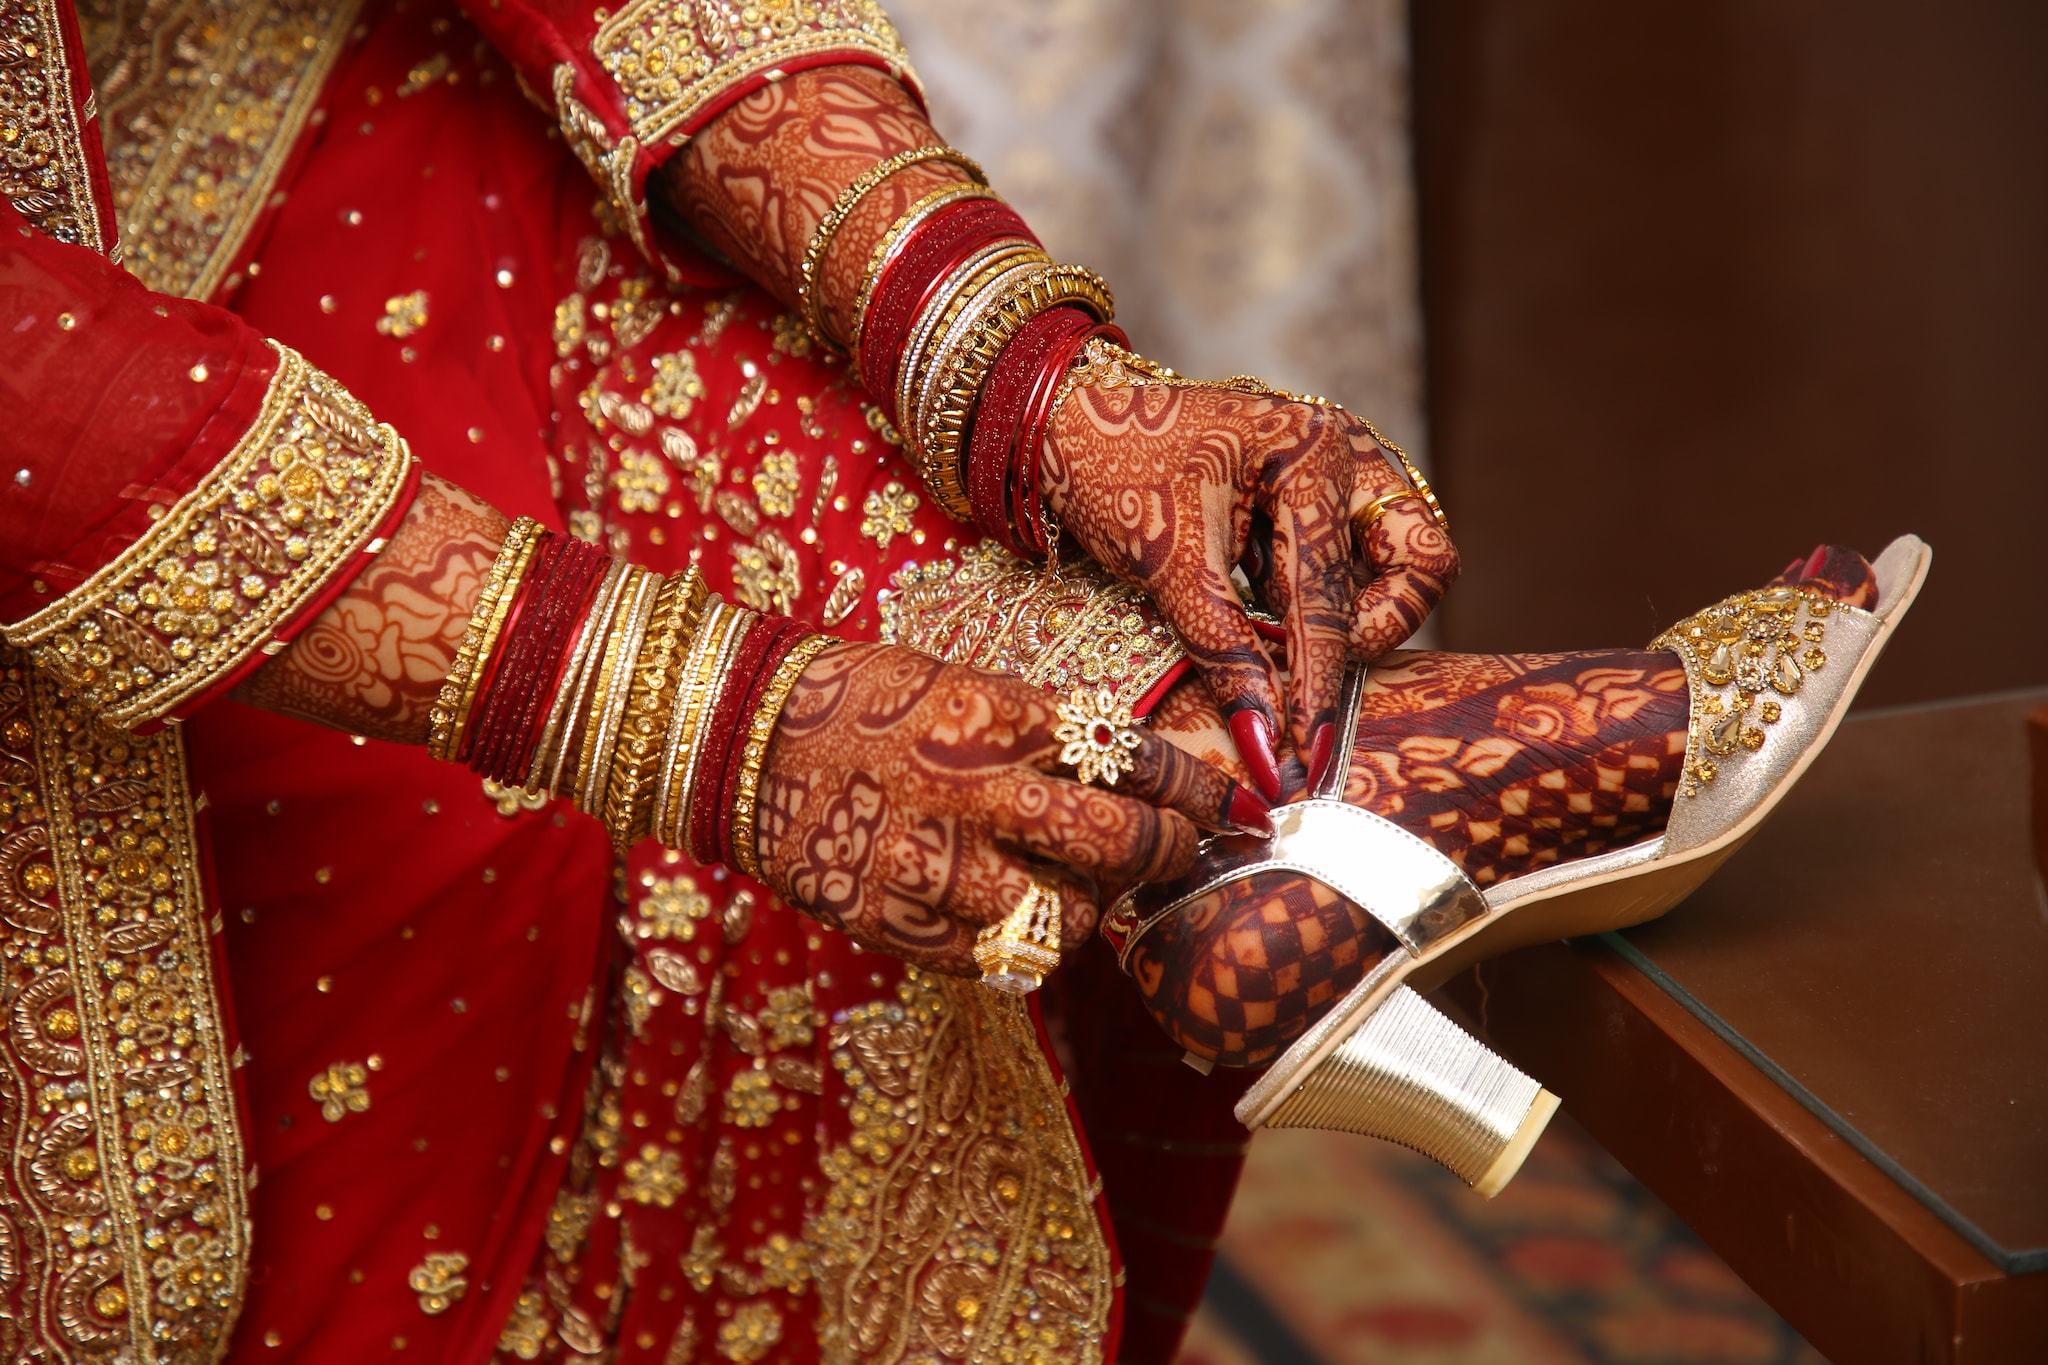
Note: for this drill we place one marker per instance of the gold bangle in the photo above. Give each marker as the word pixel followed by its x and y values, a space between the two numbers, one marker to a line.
pixel 761 730
pixel 671 627
pixel 808 304
pixel 717 676
pixel 676 728
pixel 723 626
pixel 558 737
pixel 962 368
pixel 608 691
pixel 450 713
pixel 900 231
pixel 986 263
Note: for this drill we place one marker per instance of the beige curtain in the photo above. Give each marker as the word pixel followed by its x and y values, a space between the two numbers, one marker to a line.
pixel 1237 169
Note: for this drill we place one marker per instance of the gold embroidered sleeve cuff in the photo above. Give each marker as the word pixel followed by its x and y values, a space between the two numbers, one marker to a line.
pixel 668 67
pixel 235 567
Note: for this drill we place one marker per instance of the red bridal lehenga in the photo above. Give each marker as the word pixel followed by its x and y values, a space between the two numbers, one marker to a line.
pixel 315 1050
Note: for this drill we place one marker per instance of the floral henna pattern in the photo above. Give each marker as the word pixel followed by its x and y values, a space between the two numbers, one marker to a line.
pixel 911 802
pixel 372 663
pixel 759 178
pixel 1165 485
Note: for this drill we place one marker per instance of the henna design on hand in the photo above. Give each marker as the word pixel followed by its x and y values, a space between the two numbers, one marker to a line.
pixel 757 180
pixel 910 802
pixel 1162 485
pixel 372 663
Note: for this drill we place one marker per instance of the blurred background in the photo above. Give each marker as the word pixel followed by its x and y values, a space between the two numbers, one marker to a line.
pixel 1664 295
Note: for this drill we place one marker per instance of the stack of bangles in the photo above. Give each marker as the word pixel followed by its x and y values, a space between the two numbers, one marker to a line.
pixel 963 330
pixel 646 699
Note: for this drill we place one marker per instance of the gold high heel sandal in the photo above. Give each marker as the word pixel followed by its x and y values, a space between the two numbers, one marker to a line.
pixel 1772 672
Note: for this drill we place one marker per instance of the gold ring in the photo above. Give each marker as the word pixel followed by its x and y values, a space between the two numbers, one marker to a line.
pixel 1421 485
pixel 1366 517
pixel 1096 730
pixel 1016 953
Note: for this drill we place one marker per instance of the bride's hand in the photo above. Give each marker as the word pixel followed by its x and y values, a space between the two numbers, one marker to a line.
pixel 912 802
pixel 1161 485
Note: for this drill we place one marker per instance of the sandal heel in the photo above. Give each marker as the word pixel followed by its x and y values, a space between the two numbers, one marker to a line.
pixel 1411 1076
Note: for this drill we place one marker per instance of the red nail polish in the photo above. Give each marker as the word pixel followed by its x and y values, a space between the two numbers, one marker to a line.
pixel 1255 746
pixel 1815 562
pixel 1320 750
pixel 1248 812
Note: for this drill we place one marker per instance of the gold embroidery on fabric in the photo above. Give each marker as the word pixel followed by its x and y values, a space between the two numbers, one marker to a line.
pixel 42 160
pixel 1737 653
pixel 404 314
pixel 767 575
pixel 610 163
pixel 677 385
pixel 994 610
pixel 130 1236
pixel 200 104
pixel 958 1218
pixel 671 59
pixel 439 1280
pixel 341 1090
pixel 885 514
pixel 238 556
pixel 653 1177
pixel 844 597
pixel 775 484
pixel 671 909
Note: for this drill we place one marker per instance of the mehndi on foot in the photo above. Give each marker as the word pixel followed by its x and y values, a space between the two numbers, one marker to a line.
pixel 1491 802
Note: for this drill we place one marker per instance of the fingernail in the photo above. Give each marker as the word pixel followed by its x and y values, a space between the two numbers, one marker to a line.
pixel 1247 812
pixel 1815 562
pixel 1255 746
pixel 1320 750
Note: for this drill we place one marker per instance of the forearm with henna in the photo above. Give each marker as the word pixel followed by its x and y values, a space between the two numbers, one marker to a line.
pixel 372 663
pixel 759 178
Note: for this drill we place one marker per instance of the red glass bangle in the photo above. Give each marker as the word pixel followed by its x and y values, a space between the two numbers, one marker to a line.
pixel 487 686
pixel 554 597
pixel 1026 500
pixel 700 839
pixel 998 417
pixel 776 646
pixel 567 600
pixel 907 283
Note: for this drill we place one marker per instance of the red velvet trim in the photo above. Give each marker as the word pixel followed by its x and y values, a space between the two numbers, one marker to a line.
pixel 907 283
